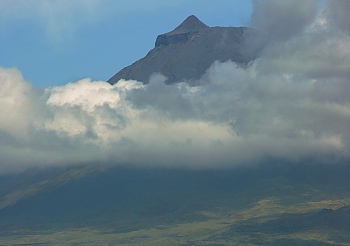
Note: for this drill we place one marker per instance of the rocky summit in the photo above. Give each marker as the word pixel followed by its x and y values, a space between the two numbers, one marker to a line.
pixel 185 53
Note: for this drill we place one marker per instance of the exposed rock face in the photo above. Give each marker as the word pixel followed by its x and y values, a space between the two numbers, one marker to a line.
pixel 182 32
pixel 185 53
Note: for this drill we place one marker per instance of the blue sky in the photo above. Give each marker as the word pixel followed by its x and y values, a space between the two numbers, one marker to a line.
pixel 53 42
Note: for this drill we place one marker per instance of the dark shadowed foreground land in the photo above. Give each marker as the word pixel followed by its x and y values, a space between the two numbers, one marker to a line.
pixel 274 204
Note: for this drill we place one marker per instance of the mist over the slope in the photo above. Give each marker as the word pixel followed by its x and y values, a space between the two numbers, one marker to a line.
pixel 292 103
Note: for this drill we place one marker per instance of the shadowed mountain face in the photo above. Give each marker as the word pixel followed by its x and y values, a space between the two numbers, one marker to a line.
pixel 185 53
pixel 113 191
pixel 271 204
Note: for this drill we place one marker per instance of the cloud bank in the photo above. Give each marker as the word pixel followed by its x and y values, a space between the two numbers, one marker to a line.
pixel 292 104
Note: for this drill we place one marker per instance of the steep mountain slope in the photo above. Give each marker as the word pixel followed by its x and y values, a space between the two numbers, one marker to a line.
pixel 185 53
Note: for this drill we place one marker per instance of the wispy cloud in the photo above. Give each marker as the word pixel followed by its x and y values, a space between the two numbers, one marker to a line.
pixel 62 18
pixel 283 19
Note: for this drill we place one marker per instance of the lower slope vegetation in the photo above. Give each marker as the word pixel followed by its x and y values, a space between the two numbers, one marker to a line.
pixel 274 204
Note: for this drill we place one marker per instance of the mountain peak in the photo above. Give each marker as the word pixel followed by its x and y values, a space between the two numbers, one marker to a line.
pixel 192 23
pixel 185 53
pixel 187 28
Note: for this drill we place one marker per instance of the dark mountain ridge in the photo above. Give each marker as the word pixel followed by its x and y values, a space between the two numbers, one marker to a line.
pixel 185 53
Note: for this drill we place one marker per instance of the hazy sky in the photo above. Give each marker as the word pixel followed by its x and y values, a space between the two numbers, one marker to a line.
pixel 53 42
pixel 291 104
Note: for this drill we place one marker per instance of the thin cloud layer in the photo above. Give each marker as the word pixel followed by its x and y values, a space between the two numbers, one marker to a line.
pixel 61 19
pixel 292 104
pixel 283 19
pixel 339 14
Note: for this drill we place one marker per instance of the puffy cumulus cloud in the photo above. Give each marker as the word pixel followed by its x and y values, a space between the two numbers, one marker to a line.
pixel 94 121
pixel 16 98
pixel 292 103
pixel 240 116
pixel 94 109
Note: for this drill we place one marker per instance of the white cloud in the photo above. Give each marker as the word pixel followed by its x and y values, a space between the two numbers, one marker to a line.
pixel 239 117
pixel 16 100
